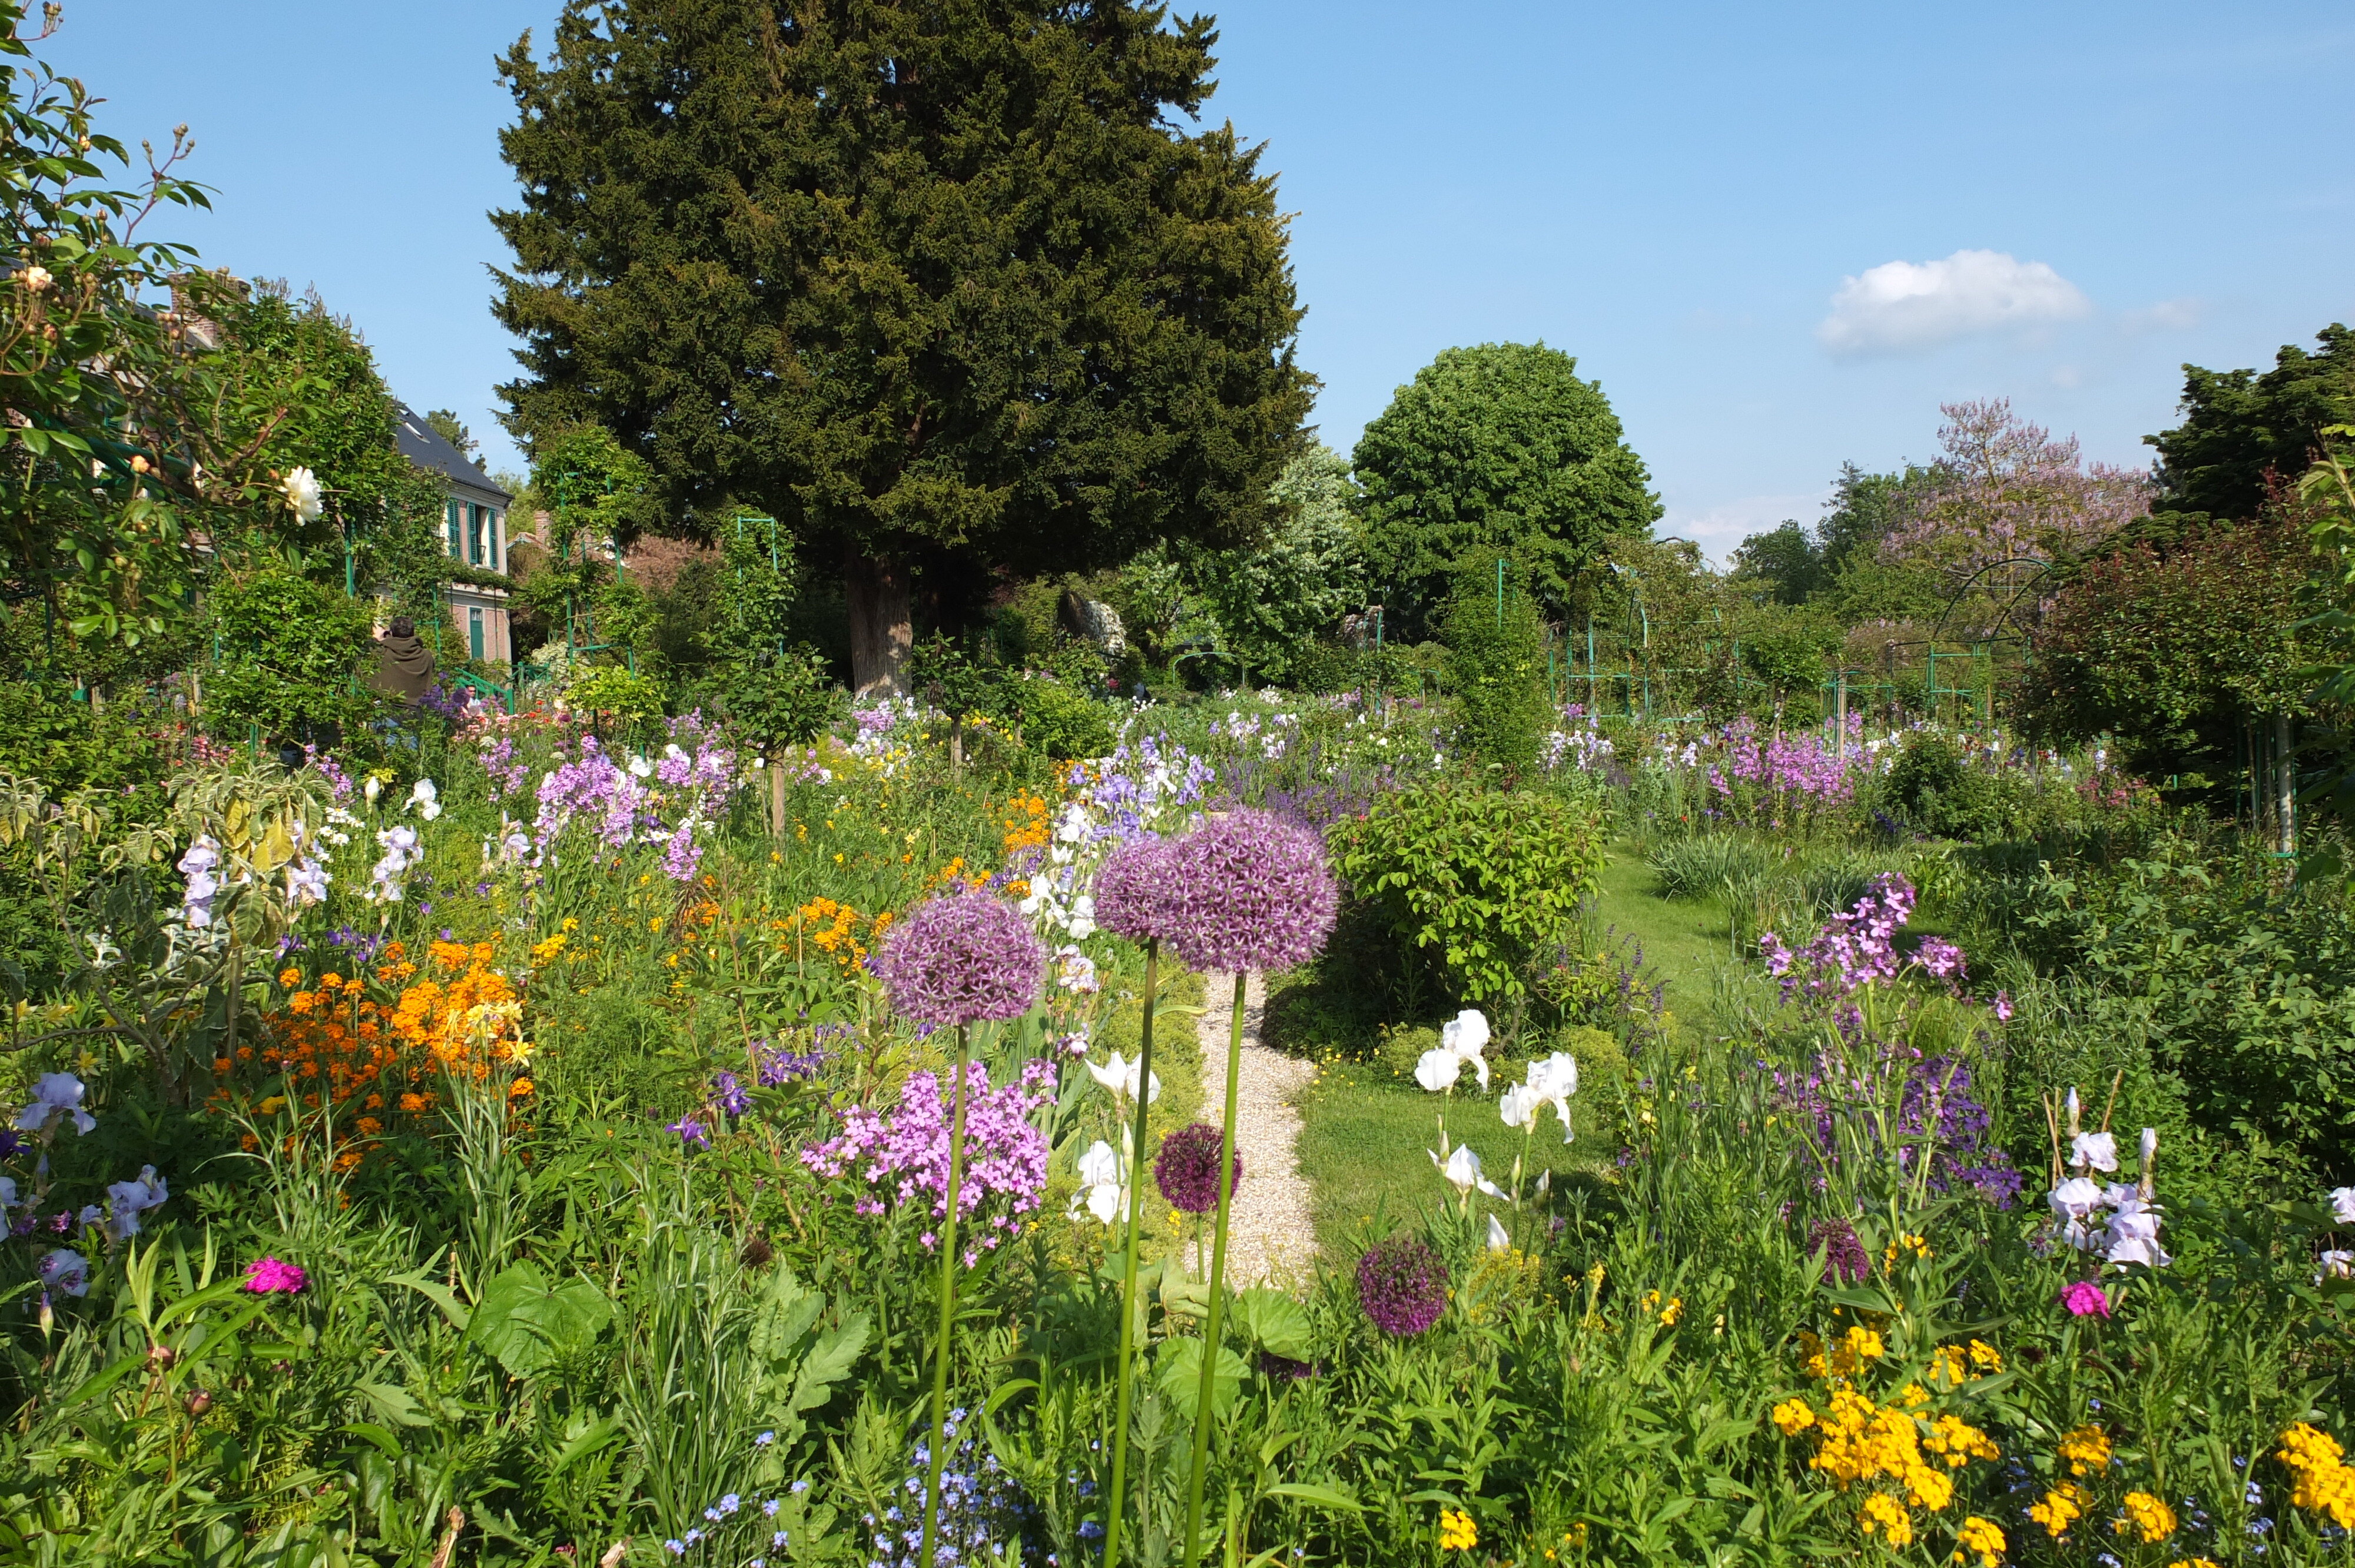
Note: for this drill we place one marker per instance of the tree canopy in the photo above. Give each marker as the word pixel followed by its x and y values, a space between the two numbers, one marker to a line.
pixel 2243 431
pixel 1498 450
pixel 944 289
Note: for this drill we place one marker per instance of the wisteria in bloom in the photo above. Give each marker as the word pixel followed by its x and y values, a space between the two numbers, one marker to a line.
pixel 668 800
pixel 902 1156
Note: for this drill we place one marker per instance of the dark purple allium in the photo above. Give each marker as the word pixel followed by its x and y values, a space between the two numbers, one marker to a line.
pixel 1132 888
pixel 1284 1368
pixel 1248 891
pixel 1402 1285
pixel 1186 1169
pixel 1844 1257
pixel 960 958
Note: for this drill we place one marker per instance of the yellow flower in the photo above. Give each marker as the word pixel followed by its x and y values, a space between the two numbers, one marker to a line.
pixel 1885 1513
pixel 1667 1314
pixel 1982 1536
pixel 2061 1507
pixel 2148 1515
pixel 1960 1442
pixel 1794 1416
pixel 2087 1449
pixel 1985 1356
pixel 1456 1531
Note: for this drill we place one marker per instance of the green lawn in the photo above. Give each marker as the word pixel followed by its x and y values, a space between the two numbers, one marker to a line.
pixel 1366 1126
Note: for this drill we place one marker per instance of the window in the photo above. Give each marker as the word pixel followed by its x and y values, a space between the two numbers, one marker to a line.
pixel 474 630
pixel 450 513
pixel 498 562
pixel 475 535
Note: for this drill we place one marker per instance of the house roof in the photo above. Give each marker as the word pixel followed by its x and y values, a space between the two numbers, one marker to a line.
pixel 424 446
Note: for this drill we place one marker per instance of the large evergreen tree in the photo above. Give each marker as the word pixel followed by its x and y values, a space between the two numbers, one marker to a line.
pixel 943 286
pixel 1495 449
pixel 2243 431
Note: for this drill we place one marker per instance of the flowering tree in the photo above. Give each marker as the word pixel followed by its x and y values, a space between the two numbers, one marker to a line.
pixel 2003 487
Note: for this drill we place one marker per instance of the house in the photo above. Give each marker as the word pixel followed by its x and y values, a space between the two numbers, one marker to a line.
pixel 474 532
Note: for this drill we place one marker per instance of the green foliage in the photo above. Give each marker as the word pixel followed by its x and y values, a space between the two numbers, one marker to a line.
pixel 1055 721
pixel 1483 885
pixel 618 690
pixel 1000 312
pixel 1934 787
pixel 45 733
pixel 780 702
pixel 450 427
pixel 2244 433
pixel 1273 598
pixel 1495 645
pixel 289 660
pixel 1497 451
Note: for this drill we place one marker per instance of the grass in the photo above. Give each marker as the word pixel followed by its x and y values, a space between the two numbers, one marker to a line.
pixel 1367 1125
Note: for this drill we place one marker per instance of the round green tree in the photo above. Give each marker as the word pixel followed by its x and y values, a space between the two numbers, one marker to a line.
pixel 1498 450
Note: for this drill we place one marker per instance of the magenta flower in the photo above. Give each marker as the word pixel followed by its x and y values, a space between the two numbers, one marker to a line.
pixel 962 957
pixel 1248 891
pixel 1186 1169
pixel 1402 1285
pixel 2085 1299
pixel 268 1276
pixel 1132 887
pixel 1844 1262
pixel 902 1156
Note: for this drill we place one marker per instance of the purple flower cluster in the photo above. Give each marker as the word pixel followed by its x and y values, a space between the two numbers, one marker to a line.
pixel 508 774
pixel 964 955
pixel 662 800
pixel 775 1068
pixel 1844 1262
pixel 902 1155
pixel 1130 887
pixel 1248 891
pixel 1186 1169
pixel 1402 1285
pixel 1936 1113
pixel 1137 789
pixel 1854 947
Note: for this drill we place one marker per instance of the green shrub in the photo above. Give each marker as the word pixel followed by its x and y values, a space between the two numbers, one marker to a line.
pixel 1497 663
pixel 780 702
pixel 1057 721
pixel 47 735
pixel 1485 884
pixel 1936 789
pixel 288 658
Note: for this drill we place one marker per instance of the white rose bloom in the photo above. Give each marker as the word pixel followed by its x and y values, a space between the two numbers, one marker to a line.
pixel 301 490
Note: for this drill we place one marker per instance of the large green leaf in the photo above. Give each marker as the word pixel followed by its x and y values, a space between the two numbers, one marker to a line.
pixel 526 1324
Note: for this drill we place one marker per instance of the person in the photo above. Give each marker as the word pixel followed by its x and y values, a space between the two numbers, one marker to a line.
pixel 404 665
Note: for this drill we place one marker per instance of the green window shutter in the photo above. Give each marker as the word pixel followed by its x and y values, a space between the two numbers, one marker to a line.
pixel 475 535
pixel 497 562
pixel 451 512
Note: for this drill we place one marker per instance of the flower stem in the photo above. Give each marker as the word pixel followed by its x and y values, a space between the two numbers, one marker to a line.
pixel 1212 1329
pixel 948 1298
pixel 1116 1500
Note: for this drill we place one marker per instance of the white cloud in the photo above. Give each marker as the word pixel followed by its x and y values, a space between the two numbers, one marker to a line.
pixel 1901 306
pixel 1719 530
pixel 2168 315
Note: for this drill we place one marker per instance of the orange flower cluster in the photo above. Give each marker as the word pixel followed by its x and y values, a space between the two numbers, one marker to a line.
pixel 840 931
pixel 361 1068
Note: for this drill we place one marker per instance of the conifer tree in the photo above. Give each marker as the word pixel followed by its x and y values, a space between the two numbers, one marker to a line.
pixel 945 287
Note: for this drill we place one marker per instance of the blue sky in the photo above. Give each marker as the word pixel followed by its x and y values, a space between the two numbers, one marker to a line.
pixel 1780 236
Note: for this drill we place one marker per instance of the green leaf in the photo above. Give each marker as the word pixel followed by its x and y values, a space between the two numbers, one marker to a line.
pixel 526 1325
pixel 393 1404
pixel 1177 1374
pixel 1322 1497
pixel 1274 1322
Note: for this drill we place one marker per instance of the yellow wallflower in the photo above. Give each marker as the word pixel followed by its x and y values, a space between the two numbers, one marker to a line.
pixel 1981 1536
pixel 2148 1515
pixel 2062 1506
pixel 2087 1449
pixel 1886 1515
pixel 1794 1416
pixel 1456 1532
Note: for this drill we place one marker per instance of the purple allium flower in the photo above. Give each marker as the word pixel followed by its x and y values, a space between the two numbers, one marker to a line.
pixel 269 1276
pixel 1844 1257
pixel 962 957
pixel 1402 1285
pixel 1248 891
pixel 2085 1299
pixel 1186 1169
pixel 1132 888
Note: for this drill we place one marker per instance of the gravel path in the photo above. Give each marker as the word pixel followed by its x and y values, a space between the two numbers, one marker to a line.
pixel 1269 1235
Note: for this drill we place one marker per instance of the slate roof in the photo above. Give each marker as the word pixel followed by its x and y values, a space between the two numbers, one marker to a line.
pixel 424 446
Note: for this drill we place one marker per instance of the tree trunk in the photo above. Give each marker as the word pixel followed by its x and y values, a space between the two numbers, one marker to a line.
pixel 882 632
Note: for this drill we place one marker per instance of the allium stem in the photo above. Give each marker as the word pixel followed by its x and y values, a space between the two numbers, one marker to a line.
pixel 948 1299
pixel 1212 1329
pixel 1116 1500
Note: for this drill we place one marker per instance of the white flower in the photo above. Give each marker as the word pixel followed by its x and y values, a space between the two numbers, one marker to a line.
pixel 1545 1183
pixel 65 1270
pixel 1497 1240
pixel 2075 1201
pixel 307 882
pixel 37 279
pixel 1462 1171
pixel 372 788
pixel 2098 1150
pixel 1106 1195
pixel 1520 1107
pixel 56 1095
pixel 1074 971
pixel 2150 1144
pixel 2133 1235
pixel 640 768
pixel 1554 1080
pixel 1120 1076
pixel 2336 1263
pixel 2342 1205
pixel 1466 1035
pixel 425 800
pixel 1437 1069
pixel 302 489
